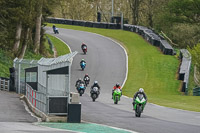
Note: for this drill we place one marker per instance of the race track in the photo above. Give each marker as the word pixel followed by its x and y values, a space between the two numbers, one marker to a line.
pixel 106 63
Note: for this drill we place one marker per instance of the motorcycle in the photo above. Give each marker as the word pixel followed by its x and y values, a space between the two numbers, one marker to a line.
pixel 94 93
pixel 83 64
pixel 116 95
pixel 81 89
pixel 84 49
pixel 140 102
pixel 87 80
pixel 56 31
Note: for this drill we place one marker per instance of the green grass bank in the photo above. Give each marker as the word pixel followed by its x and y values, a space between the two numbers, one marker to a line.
pixel 148 68
pixel 60 46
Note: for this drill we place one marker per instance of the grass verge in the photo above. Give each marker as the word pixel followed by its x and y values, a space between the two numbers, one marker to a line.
pixel 60 46
pixel 149 69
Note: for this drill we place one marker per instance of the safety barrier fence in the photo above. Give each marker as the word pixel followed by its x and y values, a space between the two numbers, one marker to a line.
pixel 184 70
pixel 4 84
pixel 56 105
pixel 36 98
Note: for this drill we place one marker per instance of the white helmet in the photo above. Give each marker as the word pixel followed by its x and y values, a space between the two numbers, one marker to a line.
pixel 95 82
pixel 141 90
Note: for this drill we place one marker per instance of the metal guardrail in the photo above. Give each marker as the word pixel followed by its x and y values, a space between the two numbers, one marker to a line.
pixel 4 84
pixel 184 71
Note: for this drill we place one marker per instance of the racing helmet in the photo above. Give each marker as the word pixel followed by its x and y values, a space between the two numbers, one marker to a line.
pixel 95 82
pixel 141 90
pixel 117 85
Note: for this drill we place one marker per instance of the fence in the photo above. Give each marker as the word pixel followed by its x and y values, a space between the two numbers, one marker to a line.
pixel 184 71
pixel 4 84
pixel 20 65
pixel 56 105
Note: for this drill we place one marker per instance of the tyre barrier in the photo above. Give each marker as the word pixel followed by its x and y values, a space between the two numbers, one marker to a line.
pixel 145 32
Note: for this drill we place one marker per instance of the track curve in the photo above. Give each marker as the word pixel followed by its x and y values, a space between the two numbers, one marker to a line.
pixel 106 62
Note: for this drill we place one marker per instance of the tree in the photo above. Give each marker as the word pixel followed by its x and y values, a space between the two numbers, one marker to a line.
pixel 195 51
pixel 134 5
pixel 38 26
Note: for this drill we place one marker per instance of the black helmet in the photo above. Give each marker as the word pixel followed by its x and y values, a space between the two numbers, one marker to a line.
pixel 117 85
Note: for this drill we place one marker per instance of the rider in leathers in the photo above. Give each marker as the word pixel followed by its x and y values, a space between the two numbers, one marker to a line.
pixel 140 91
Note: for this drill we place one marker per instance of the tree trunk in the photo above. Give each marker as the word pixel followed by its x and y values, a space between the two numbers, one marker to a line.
pixel 38 29
pixel 25 44
pixel 150 14
pixel 134 5
pixel 17 37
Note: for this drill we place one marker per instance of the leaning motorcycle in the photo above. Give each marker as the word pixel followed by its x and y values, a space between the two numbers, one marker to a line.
pixel 84 49
pixel 116 95
pixel 94 93
pixel 83 64
pixel 81 89
pixel 140 103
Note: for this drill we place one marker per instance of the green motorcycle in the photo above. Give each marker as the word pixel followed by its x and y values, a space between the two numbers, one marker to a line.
pixel 116 95
pixel 140 102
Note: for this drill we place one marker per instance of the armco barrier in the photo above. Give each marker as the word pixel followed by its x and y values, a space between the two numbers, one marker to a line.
pixel 184 71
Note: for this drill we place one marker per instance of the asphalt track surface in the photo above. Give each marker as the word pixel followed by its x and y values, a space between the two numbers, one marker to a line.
pixel 106 63
pixel 14 118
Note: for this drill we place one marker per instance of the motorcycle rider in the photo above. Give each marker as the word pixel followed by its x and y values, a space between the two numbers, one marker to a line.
pixel 117 86
pixel 54 28
pixel 78 82
pixel 95 85
pixel 86 78
pixel 140 91
pixel 82 62
pixel 83 45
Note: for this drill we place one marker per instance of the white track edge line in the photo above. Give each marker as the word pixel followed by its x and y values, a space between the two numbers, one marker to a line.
pixel 63 42
pixel 117 128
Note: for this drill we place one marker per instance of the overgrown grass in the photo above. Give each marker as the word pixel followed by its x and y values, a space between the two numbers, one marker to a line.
pixel 148 68
pixel 61 47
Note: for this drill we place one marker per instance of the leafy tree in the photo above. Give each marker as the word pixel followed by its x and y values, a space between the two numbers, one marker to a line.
pixel 195 51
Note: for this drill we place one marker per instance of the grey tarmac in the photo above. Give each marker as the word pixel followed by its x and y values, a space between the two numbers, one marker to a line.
pixel 106 62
